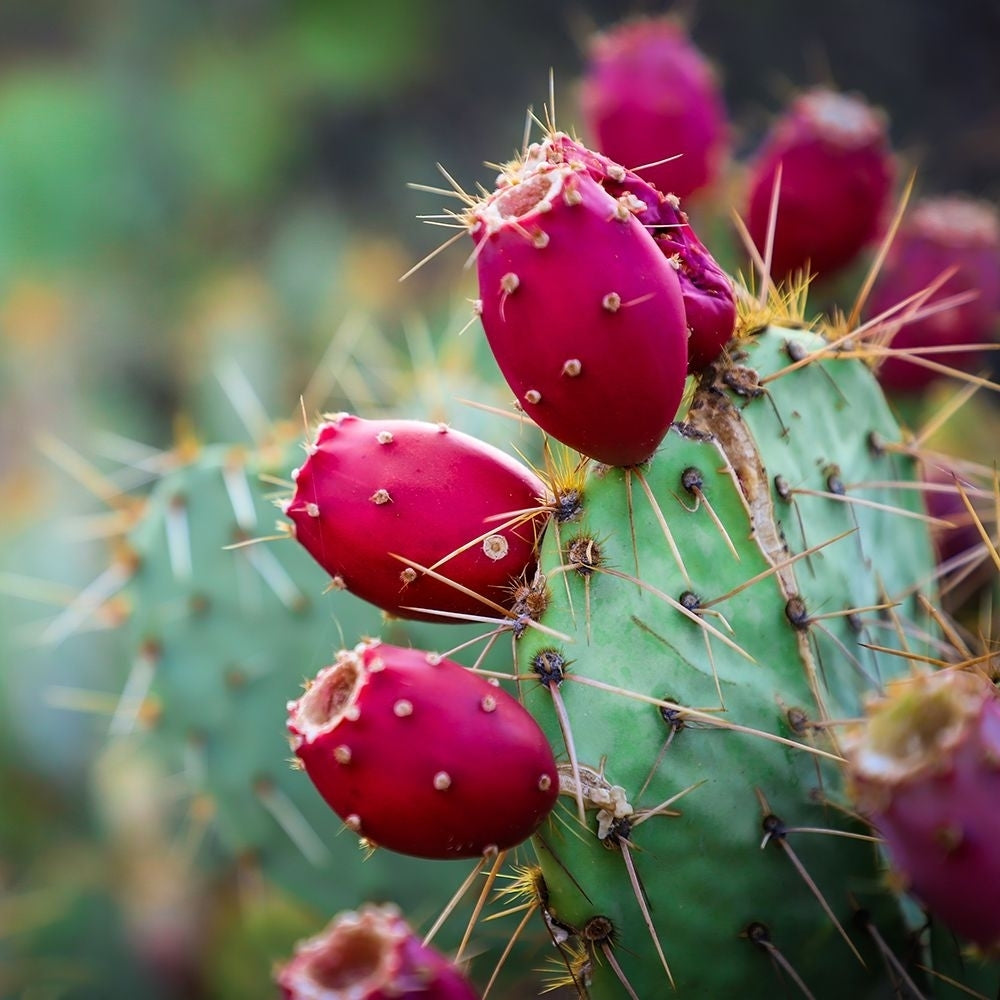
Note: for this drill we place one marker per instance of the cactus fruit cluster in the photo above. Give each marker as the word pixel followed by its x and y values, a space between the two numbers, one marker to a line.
pixel 733 556
pixel 220 634
pixel 681 677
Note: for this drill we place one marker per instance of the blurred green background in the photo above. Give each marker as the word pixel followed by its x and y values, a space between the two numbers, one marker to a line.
pixel 184 185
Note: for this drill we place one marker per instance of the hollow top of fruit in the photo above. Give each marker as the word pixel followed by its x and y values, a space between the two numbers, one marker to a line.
pixel 531 192
pixel 843 120
pixel 354 956
pixel 919 724
pixel 525 185
pixel 330 697
pixel 956 220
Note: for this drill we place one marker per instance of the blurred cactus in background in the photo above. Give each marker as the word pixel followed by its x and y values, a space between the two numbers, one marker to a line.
pixel 203 220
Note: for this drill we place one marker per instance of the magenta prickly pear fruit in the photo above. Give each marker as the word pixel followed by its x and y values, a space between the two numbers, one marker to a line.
pixel 926 770
pixel 941 233
pixel 836 181
pixel 709 297
pixel 371 954
pixel 420 755
pixel 372 491
pixel 582 310
pixel 649 93
pixel 707 291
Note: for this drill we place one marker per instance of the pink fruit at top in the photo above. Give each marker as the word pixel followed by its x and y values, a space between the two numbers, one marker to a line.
pixel 582 310
pixel 649 93
pixel 707 291
pixel 371 490
pixel 420 755
pixel 836 182
pixel 371 954
pixel 941 233
pixel 926 770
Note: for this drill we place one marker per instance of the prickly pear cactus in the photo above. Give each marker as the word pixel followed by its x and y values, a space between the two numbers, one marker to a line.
pixel 715 599
pixel 721 604
pixel 702 599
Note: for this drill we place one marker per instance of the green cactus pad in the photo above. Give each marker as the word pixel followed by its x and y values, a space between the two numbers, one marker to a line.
pixel 788 654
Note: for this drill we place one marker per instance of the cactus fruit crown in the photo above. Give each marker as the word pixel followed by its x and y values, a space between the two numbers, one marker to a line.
pixel 922 722
pixel 370 954
pixel 327 698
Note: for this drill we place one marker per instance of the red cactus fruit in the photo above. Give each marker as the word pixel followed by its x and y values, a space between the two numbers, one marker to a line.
pixel 836 181
pixel 418 754
pixel 709 297
pixel 372 490
pixel 649 93
pixel 941 233
pixel 926 770
pixel 582 310
pixel 370 955
pixel 707 291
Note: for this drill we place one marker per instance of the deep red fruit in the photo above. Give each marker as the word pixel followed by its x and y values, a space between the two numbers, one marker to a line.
pixel 418 754
pixel 926 771
pixel 582 310
pixel 371 490
pixel 707 291
pixel 370 955
pixel 836 181
pixel 649 93
pixel 941 233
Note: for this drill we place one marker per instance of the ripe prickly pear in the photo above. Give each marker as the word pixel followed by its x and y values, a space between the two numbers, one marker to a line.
pixel 709 298
pixel 377 498
pixel 582 310
pixel 942 233
pixel 707 291
pixel 418 754
pixel 926 770
pixel 371 954
pixel 649 93
pixel 836 179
